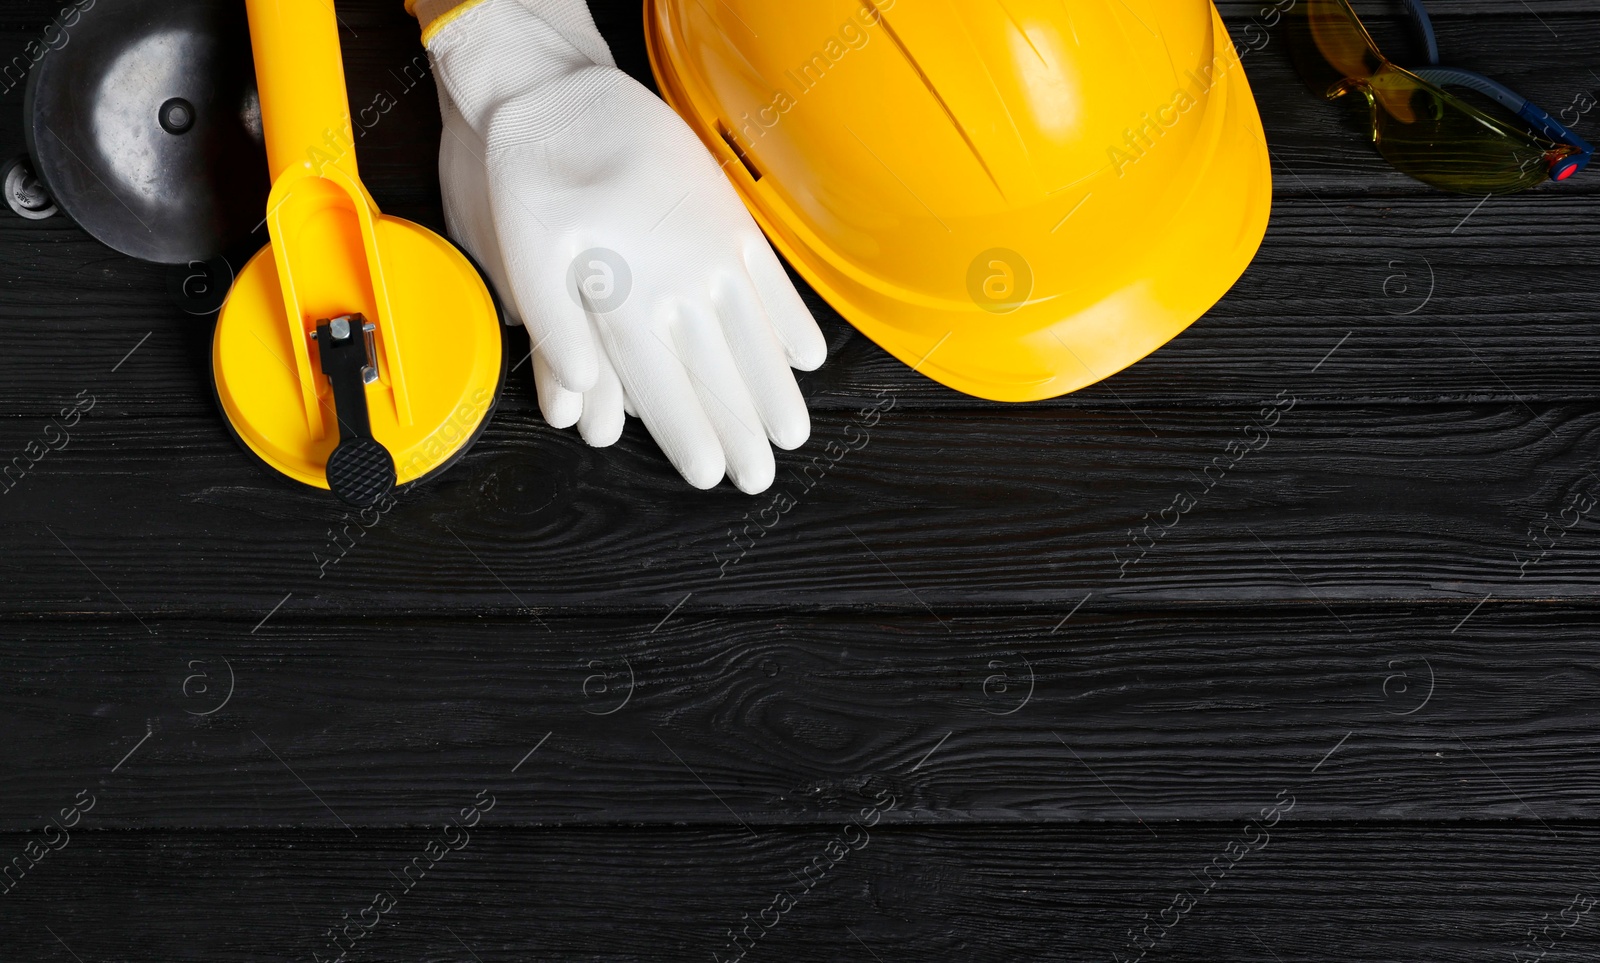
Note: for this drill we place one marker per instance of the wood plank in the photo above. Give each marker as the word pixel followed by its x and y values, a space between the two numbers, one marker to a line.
pixel 1338 504
pixel 1336 261
pixel 1360 893
pixel 1416 300
pixel 1415 713
pixel 1488 271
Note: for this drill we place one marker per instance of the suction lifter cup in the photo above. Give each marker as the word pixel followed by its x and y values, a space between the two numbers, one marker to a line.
pixel 146 128
pixel 357 352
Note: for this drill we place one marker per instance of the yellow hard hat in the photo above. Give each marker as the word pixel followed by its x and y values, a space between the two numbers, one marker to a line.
pixel 1017 198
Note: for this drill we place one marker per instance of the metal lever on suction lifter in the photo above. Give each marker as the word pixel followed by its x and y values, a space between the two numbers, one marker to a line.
pixel 361 470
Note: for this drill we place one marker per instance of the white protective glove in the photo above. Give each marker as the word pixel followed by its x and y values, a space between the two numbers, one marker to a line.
pixel 609 230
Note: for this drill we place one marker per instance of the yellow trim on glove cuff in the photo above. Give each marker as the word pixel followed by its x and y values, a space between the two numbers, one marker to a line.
pixel 434 15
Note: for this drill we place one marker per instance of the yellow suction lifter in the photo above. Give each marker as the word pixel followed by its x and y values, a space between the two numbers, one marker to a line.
pixel 357 351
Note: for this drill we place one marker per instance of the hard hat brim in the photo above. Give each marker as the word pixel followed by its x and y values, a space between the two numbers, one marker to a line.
pixel 1215 220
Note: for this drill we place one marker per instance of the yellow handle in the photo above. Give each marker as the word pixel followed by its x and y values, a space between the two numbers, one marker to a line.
pixel 322 221
pixel 305 109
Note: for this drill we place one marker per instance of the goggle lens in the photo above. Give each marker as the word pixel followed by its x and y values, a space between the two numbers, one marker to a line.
pixel 1419 128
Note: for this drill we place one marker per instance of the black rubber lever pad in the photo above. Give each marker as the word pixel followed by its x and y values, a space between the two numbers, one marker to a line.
pixel 360 471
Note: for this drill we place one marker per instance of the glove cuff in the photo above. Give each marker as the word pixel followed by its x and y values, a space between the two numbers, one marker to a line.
pixel 570 18
pixel 489 54
pixel 431 12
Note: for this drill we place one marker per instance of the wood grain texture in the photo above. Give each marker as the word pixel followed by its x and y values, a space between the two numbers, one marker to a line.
pixel 1416 300
pixel 1387 615
pixel 1350 893
pixel 1412 714
pixel 1354 248
pixel 957 512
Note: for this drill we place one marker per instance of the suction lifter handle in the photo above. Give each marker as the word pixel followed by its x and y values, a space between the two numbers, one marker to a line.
pixel 305 106
pixel 360 471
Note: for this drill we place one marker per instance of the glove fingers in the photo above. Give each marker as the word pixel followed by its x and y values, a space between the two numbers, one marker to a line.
pixel 724 398
pixel 559 324
pixel 661 392
pixel 537 266
pixel 791 319
pixel 560 407
pixel 761 363
pixel 602 419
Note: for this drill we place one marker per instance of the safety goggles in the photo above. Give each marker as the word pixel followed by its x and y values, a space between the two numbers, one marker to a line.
pixel 1469 146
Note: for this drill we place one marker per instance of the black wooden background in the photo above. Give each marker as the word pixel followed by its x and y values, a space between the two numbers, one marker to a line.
pixel 1382 623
